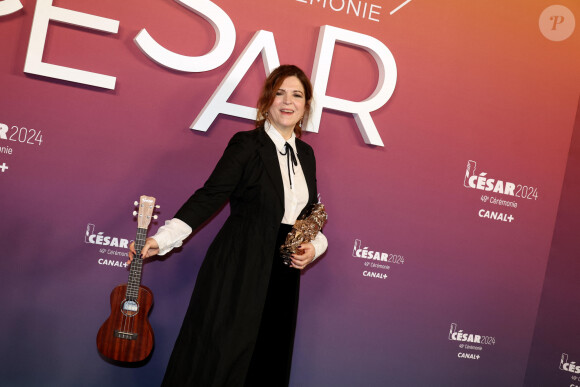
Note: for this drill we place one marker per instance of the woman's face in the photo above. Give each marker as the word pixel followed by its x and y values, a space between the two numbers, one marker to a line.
pixel 288 106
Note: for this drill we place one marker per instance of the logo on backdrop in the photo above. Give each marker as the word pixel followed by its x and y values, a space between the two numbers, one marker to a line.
pixel 109 246
pixel 493 186
pixel 469 342
pixel 17 134
pixel 377 262
pixel 14 135
pixel 567 366
pixel 497 191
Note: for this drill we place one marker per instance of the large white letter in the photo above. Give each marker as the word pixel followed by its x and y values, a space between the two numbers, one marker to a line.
pixel 44 13
pixel 262 42
pixel 327 38
pixel 9 6
pixel 224 44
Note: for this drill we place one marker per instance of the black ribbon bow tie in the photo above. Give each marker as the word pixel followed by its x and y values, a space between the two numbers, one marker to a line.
pixel 291 157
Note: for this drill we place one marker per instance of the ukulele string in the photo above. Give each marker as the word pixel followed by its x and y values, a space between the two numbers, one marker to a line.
pixel 133 290
pixel 132 293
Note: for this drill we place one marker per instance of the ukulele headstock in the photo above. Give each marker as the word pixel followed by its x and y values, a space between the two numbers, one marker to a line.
pixel 146 206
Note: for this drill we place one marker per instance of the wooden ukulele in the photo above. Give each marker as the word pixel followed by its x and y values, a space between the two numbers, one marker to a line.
pixel 127 336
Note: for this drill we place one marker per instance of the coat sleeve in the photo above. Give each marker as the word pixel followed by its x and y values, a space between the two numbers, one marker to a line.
pixel 219 186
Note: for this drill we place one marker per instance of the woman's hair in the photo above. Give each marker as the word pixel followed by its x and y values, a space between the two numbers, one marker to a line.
pixel 271 86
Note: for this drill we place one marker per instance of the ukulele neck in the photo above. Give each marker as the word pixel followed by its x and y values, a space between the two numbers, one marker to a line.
pixel 136 269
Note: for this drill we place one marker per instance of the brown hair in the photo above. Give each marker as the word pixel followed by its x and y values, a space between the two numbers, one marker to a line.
pixel 271 86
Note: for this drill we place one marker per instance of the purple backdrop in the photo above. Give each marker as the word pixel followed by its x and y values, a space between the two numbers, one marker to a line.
pixel 482 95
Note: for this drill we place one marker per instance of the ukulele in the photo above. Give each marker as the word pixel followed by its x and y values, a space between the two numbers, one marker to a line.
pixel 127 336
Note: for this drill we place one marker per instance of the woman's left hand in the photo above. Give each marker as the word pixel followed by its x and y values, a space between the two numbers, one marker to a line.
pixel 300 261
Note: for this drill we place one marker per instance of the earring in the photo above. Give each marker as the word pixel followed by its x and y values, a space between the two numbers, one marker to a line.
pixel 300 123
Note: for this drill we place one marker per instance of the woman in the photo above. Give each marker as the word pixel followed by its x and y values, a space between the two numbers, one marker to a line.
pixel 239 327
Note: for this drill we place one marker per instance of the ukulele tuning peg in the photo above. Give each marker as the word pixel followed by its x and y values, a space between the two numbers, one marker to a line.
pixel 157 206
pixel 136 203
pixel 155 216
pixel 134 213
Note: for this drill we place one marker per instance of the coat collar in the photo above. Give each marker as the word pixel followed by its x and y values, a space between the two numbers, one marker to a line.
pixel 269 156
pixel 277 138
pixel 308 163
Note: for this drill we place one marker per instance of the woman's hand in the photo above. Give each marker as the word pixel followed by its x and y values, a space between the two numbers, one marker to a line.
pixel 150 249
pixel 300 261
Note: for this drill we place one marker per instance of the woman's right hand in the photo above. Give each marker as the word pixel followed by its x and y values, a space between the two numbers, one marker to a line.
pixel 150 249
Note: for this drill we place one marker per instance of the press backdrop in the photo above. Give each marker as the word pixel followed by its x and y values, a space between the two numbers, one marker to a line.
pixel 453 255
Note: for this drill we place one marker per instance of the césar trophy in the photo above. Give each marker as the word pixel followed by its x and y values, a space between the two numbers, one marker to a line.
pixel 304 230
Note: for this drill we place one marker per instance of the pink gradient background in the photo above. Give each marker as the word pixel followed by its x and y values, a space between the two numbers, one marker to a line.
pixel 476 81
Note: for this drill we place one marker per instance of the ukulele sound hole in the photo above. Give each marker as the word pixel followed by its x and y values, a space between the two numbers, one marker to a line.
pixel 130 308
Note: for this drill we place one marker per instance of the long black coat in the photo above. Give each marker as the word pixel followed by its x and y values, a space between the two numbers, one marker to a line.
pixel 217 337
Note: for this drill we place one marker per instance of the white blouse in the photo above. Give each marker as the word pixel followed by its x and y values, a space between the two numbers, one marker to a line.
pixel 172 234
pixel 295 191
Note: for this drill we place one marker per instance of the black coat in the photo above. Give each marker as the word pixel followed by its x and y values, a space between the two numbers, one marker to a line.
pixel 217 337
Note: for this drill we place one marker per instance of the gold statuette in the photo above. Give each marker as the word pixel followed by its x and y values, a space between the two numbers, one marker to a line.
pixel 303 231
